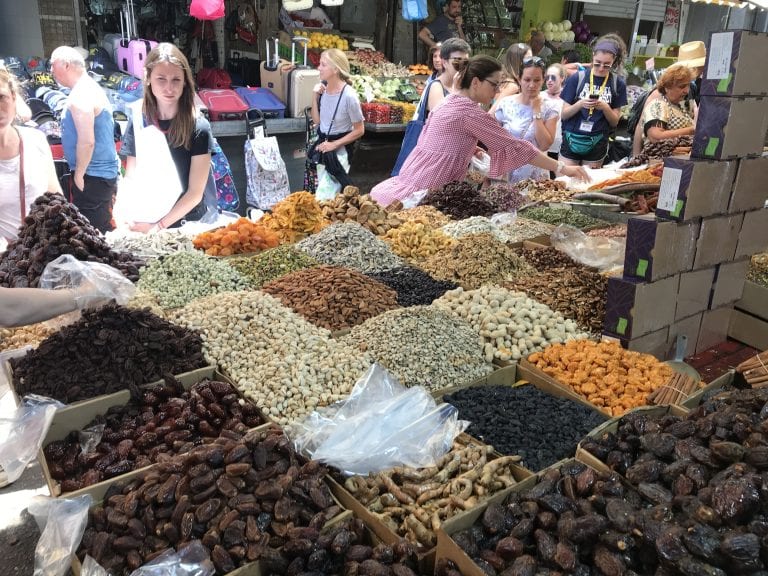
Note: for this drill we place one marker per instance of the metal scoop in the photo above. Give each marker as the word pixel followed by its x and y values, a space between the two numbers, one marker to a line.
pixel 677 364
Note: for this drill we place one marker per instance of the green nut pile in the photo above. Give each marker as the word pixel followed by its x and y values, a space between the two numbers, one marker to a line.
pixel 182 277
pixel 758 269
pixel 476 260
pixel 422 346
pixel 557 216
pixel 286 365
pixel 271 264
pixel 511 325
pixel 349 244
pixel 475 225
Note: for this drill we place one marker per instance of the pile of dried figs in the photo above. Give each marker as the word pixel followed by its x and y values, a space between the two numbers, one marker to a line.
pixel 709 469
pixel 166 419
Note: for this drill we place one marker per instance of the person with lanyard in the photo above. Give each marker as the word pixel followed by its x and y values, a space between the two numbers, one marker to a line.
pixel 26 164
pixel 339 117
pixel 169 106
pixel 592 105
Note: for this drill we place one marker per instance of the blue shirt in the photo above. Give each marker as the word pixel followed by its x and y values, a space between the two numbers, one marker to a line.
pixel 104 162
pixel 600 124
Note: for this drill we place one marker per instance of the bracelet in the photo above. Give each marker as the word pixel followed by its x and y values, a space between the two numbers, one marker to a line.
pixel 160 225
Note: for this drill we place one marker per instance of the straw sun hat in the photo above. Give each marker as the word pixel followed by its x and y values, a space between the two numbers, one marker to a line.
pixel 692 54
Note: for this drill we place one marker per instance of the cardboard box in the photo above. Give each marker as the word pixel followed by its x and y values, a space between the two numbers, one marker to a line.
pixel 754 300
pixel 695 399
pixel 753 237
pixel 730 128
pixel 634 308
pixel 714 328
pixel 692 188
pixel 728 285
pixel 656 248
pixel 77 416
pixel 733 60
pixel 750 330
pixel 717 241
pixel 654 343
pixel 750 188
pixel 689 327
pixel 694 293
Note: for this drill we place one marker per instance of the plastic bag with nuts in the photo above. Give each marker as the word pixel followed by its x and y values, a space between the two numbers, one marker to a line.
pixel 600 253
pixel 382 424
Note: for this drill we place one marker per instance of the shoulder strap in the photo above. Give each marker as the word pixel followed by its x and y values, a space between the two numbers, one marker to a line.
pixel 581 82
pixel 341 94
pixel 425 99
pixel 22 182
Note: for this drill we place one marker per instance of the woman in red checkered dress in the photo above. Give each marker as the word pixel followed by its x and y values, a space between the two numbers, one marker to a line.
pixel 452 132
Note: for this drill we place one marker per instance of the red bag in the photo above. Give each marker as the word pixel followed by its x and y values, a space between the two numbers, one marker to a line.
pixel 215 78
pixel 207 9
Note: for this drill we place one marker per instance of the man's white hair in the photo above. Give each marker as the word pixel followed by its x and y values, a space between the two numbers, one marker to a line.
pixel 68 55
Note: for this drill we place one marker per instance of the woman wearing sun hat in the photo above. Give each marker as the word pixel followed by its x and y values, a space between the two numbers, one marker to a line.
pixel 691 54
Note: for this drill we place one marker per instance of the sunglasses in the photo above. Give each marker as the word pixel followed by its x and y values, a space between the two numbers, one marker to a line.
pixel 552 77
pixel 534 61
pixel 601 65
pixel 458 60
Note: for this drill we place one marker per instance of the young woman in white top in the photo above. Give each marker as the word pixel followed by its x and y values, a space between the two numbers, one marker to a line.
pixel 554 81
pixel 25 162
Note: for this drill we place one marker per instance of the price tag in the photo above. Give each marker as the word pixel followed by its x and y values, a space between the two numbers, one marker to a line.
pixel 719 57
pixel 650 63
pixel 670 185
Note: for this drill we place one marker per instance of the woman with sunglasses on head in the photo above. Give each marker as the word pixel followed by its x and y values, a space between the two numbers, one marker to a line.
pixel 513 59
pixel 556 75
pixel 528 116
pixel 593 101
pixel 450 136
pixel 452 51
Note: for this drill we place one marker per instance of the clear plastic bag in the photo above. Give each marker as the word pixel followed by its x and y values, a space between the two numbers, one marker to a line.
pixel 597 252
pixel 192 560
pixel 89 438
pixel 414 199
pixel 382 424
pixel 62 523
pixel 92 568
pixel 22 435
pixel 94 283
pixel 504 218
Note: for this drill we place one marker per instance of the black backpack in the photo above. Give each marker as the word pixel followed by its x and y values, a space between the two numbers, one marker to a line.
pixel 636 113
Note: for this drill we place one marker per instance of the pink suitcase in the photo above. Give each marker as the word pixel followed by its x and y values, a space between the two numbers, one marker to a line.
pixel 223 104
pixel 132 55
pixel 299 83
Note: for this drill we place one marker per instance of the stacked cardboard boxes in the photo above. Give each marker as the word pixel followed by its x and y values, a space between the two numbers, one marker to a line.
pixel 686 265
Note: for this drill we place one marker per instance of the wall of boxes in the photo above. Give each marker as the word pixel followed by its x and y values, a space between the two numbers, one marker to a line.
pixel 685 267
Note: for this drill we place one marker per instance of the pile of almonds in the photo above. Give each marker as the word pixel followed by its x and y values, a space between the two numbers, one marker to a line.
pixel 351 205
pixel 333 297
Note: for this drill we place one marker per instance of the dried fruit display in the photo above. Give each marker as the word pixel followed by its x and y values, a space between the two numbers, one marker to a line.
pixel 416 241
pixel 707 470
pixel 556 216
pixel 242 497
pixel 296 217
pixel 148 246
pixel 414 287
pixel 109 349
pixel 242 236
pixel 360 208
pixel 755 370
pixel 414 502
pixel 271 264
pixel 525 229
pixel 333 297
pixel 647 176
pixel 608 376
pixel 616 231
pixel 504 197
pixel 543 190
pixel 458 200
pixel 544 259
pixel 475 225
pixel 427 214
pixel 675 390
pixel 54 227
pixel 539 427
pixel 758 270
pixel 159 422
pixel 342 549
pixel 476 260
pixel 573 521
pixel 659 149
pixel 32 335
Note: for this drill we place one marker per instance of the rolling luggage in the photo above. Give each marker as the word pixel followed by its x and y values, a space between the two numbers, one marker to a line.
pixel 223 104
pixel 110 43
pixel 299 82
pixel 266 174
pixel 263 100
pixel 131 51
pixel 246 70
pixel 273 72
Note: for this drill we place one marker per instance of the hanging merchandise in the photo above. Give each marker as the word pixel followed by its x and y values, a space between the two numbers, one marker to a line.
pixel 415 10
pixel 267 176
pixel 294 5
pixel 207 9
pixel 132 50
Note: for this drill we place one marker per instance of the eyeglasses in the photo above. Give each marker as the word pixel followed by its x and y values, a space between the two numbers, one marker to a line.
pixel 552 77
pixel 601 65
pixel 496 85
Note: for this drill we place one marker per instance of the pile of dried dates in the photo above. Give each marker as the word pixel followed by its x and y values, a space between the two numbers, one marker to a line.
pixel 54 227
pixel 341 549
pixel 710 470
pixel 244 499
pixel 109 349
pixel 165 420
pixel 574 521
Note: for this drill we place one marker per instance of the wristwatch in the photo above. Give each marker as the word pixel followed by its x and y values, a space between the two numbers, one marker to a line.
pixel 537 116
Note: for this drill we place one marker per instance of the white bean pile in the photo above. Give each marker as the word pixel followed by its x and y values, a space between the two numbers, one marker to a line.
pixel 286 365
pixel 511 325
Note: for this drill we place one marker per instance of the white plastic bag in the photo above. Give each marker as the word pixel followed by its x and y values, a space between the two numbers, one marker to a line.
pixel 382 424
pixel 92 568
pixel 22 434
pixel 62 523
pixel 414 199
pixel 327 185
pixel 192 560
pixel 597 252
pixel 153 189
